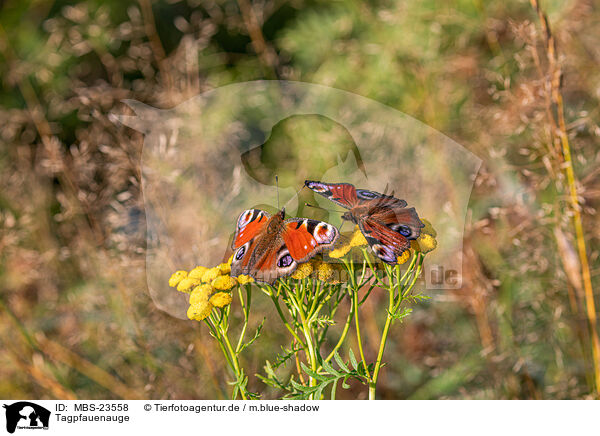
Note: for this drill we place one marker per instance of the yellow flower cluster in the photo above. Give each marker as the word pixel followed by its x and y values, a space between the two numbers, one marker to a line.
pixel 208 288
pixel 356 240
pixel 426 241
pixel 326 272
pixel 303 271
pixel 403 257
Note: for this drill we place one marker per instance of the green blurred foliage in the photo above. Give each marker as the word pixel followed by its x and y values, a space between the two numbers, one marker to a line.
pixel 72 228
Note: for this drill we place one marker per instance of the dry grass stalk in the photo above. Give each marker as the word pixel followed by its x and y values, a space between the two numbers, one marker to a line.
pixel 554 79
pixel 44 378
pixel 63 355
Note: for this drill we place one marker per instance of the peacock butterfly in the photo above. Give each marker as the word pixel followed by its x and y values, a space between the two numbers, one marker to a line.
pixel 268 247
pixel 385 221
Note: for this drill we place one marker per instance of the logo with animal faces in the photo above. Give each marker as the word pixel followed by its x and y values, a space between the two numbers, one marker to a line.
pixel 25 415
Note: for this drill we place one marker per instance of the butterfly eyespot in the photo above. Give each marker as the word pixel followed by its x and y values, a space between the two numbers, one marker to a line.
pixel 240 253
pixel 285 261
pixel 367 195
pixel 324 233
pixel 245 218
pixel 403 230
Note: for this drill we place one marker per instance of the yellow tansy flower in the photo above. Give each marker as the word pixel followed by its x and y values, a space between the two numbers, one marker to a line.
pixel 225 268
pixel 340 251
pixel 428 229
pixel 199 311
pixel 177 277
pixel 358 239
pixel 403 257
pixel 211 274
pixel 303 271
pixel 198 272
pixel 243 279
pixel 220 299
pixel 324 271
pixel 329 272
pixel 200 294
pixel 427 243
pixel 230 260
pixel 223 283
pixel 186 284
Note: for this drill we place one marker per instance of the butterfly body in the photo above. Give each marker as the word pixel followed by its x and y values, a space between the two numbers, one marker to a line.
pixel 268 247
pixel 385 221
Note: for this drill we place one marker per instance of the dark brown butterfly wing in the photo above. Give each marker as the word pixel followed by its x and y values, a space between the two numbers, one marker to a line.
pixel 404 221
pixel 388 230
pixel 383 219
pixel 346 195
pixel 343 194
pixel 385 243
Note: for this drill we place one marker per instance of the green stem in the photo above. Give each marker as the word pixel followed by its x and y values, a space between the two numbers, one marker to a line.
pixel 350 267
pixel 404 291
pixel 317 296
pixel 245 309
pixel 216 334
pixel 235 361
pixel 305 330
pixel 332 311
pixel 322 300
pixel 343 336
pixel 371 267
pixel 286 323
pixel 384 335
pixel 305 327
pixel 358 337
pixel 367 294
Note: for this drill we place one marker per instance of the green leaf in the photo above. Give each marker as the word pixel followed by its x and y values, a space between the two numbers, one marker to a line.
pixel 353 361
pixel 401 314
pixel 333 389
pixel 324 321
pixel 418 297
pixel 311 373
pixel 344 384
pixel 282 359
pixel 299 387
pixel 269 382
pixel 269 369
pixel 255 337
pixel 319 391
pixel 327 367
pixel 340 362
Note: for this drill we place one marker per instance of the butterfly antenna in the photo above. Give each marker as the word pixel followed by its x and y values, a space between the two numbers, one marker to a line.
pixel 297 194
pixel 319 207
pixel 277 186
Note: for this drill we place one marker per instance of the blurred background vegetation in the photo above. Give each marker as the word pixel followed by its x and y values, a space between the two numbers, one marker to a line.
pixel 75 317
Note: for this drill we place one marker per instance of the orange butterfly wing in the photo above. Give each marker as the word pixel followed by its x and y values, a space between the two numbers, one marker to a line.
pixel 250 223
pixel 267 248
pixel 305 237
